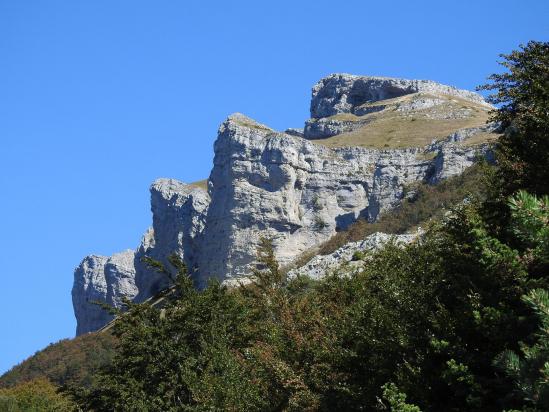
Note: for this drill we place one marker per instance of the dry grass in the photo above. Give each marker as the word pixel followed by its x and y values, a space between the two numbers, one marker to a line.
pixel 391 129
pixel 251 124
pixel 398 132
pixel 201 184
pixel 346 117
pixel 427 156
pixel 481 138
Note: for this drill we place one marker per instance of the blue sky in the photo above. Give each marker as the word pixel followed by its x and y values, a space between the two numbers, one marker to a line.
pixel 99 98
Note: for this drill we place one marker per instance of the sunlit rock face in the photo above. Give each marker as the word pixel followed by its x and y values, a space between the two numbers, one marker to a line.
pixel 284 186
pixel 179 212
pixel 270 184
pixel 344 260
pixel 102 279
pixel 346 93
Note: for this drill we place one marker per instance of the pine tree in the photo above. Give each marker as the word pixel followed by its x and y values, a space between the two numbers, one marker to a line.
pixel 522 153
pixel 530 369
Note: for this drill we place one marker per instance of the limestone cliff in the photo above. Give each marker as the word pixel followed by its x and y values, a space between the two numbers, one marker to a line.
pixel 293 189
pixel 179 212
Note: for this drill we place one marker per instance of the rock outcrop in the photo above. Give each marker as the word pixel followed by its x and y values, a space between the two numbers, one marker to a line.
pixel 179 212
pixel 266 183
pixel 346 93
pixel 344 260
pixel 284 186
pixel 101 279
pixel 179 217
pixel 341 103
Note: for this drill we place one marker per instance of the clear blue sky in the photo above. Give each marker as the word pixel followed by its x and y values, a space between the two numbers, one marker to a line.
pixel 99 98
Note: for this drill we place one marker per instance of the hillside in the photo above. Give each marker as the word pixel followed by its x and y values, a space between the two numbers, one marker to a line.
pixel 69 361
pixel 450 317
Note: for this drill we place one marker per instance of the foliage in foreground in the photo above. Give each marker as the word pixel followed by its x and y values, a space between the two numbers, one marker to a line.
pixel 37 395
pixel 522 93
pixel 530 369
pixel 422 324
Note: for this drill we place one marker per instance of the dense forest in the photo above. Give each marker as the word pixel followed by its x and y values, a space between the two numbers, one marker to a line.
pixel 455 321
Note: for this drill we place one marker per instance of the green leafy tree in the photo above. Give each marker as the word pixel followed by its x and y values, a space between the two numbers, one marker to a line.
pixel 531 224
pixel 177 355
pixel 530 372
pixel 36 395
pixel 291 343
pixel 431 317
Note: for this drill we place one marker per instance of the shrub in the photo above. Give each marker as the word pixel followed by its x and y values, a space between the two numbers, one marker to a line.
pixel 37 395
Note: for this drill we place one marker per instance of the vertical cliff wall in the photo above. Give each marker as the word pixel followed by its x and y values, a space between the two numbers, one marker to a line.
pixel 179 212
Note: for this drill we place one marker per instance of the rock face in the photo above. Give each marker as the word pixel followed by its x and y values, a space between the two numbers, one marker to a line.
pixel 179 213
pixel 279 185
pixel 265 183
pixel 346 93
pixel 102 279
pixel 327 127
pixel 179 217
pixel 343 259
pixel 344 103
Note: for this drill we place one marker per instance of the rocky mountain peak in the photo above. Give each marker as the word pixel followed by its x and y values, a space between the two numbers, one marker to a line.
pixel 373 137
pixel 346 93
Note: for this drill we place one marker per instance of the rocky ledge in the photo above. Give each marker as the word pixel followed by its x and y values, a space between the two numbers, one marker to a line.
pixel 347 93
pixel 349 258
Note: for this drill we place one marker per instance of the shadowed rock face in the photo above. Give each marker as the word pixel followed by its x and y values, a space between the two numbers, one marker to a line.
pixel 266 183
pixel 179 213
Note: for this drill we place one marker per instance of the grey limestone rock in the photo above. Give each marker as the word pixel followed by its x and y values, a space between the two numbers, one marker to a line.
pixel 327 127
pixel 270 184
pixel 343 93
pixel 278 185
pixel 293 131
pixel 342 260
pixel 341 102
pixel 102 279
pixel 179 212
